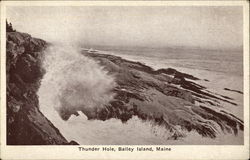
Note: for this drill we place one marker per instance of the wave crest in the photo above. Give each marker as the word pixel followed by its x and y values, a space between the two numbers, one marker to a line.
pixel 74 82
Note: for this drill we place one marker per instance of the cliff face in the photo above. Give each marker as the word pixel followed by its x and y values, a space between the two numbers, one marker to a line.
pixel 25 123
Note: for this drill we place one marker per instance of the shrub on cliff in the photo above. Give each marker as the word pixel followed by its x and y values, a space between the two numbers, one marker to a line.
pixel 9 27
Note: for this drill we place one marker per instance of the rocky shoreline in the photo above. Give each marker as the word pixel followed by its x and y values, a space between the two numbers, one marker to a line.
pixel 26 125
pixel 166 96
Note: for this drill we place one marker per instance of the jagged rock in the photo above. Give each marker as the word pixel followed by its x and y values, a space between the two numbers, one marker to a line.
pixel 73 143
pixel 165 96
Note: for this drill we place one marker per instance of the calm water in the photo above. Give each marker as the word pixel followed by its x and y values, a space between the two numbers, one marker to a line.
pixel 229 62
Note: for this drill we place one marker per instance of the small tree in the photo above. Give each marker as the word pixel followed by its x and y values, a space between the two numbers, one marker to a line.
pixel 9 27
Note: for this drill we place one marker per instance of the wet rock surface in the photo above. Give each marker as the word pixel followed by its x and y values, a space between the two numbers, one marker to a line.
pixel 26 125
pixel 165 96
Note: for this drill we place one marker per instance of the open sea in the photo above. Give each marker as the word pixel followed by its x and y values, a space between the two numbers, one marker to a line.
pixel 228 62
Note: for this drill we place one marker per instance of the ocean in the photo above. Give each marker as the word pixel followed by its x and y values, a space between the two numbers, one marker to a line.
pixel 228 62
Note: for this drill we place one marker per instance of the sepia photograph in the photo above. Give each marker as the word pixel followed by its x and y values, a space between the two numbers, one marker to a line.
pixel 124 75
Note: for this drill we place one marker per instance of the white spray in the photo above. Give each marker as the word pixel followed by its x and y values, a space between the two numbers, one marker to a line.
pixel 73 82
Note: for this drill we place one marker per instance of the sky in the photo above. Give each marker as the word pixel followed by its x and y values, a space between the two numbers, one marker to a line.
pixel 207 27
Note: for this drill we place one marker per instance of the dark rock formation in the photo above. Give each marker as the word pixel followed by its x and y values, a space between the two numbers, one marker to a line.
pixel 164 96
pixel 26 125
pixel 227 89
